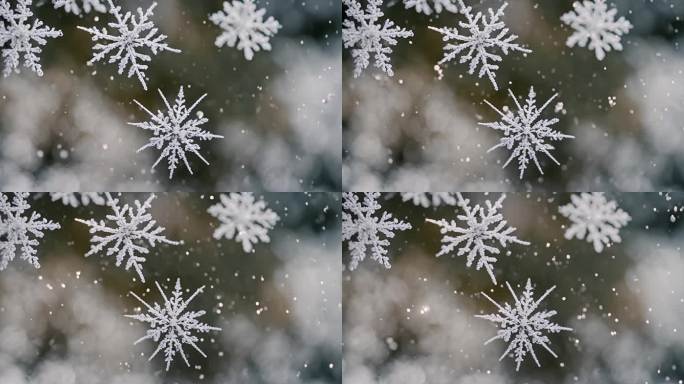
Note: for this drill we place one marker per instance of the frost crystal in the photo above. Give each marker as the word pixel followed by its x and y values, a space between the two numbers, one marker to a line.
pixel 175 133
pixel 171 325
pixel 479 43
pixel 127 236
pixel 425 200
pixel 17 230
pixel 481 227
pixel 243 24
pixel 124 47
pixel 17 35
pixel 244 219
pixel 78 199
pixel 521 327
pixel 71 6
pixel 358 221
pixel 595 24
pixel 423 6
pixel 363 32
pixel 525 133
pixel 595 217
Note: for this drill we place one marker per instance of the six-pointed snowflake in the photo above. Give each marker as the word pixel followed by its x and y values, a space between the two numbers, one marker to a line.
pixel 521 327
pixel 71 6
pixel 426 6
pixel 171 325
pixel 425 200
pixel 595 217
pixel 244 218
pixel 77 199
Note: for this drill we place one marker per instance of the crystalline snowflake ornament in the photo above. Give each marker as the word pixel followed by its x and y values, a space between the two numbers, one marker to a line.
pixel 427 6
pixel 525 133
pixel 243 24
pixel 595 24
pixel 71 6
pixel 595 217
pixel 521 327
pixel 19 31
pixel 481 228
pixel 244 219
pixel 366 35
pixel 77 199
pixel 359 221
pixel 171 325
pixel 425 200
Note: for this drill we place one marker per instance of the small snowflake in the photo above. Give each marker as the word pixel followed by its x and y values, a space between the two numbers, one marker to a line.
pixel 171 325
pixel 130 230
pixel 71 6
pixel 78 199
pixel 423 6
pixel 243 218
pixel 425 200
pixel 365 34
pixel 17 230
pixel 521 327
pixel 174 133
pixel 595 24
pixel 243 24
pixel 18 31
pixel 594 217
pixel 481 227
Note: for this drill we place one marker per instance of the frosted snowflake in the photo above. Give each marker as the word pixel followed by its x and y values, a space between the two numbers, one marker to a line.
pixel 18 230
pixel 18 33
pixel 71 6
pixel 78 199
pixel 479 43
pixel 594 217
pixel 243 218
pixel 174 133
pixel 359 220
pixel 426 6
pixel 477 238
pixel 595 24
pixel 366 35
pixel 130 232
pixel 124 48
pixel 425 200
pixel 525 133
pixel 243 24
pixel 521 326
pixel 171 325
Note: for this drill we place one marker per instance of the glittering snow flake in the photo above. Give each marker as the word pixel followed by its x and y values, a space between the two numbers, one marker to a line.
pixel 359 221
pixel 18 33
pixel 243 218
pixel 595 24
pixel 433 199
pixel 427 6
pixel 71 6
pixel 243 24
pixel 366 35
pixel 521 327
pixel 77 199
pixel 171 325
pixel 595 217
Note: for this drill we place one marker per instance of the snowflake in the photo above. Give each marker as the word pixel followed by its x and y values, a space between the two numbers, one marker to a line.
pixel 479 42
pixel 127 236
pixel 366 35
pixel 481 227
pixel 595 217
pixel 358 220
pixel 174 133
pixel 71 6
pixel 423 6
pixel 523 325
pixel 524 132
pixel 17 35
pixel 124 47
pixel 171 325
pixel 425 200
pixel 243 24
pixel 74 200
pixel 243 218
pixel 16 229
pixel 595 24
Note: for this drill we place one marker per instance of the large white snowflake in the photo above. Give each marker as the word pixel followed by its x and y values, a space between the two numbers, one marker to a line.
pixel 480 42
pixel 243 24
pixel 595 217
pixel 432 199
pixel 172 325
pixel 77 199
pixel 244 218
pixel 131 231
pixel 427 6
pixel 18 230
pixel 521 327
pixel 482 229
pixel 18 33
pixel 595 24
pixel 71 6
pixel 125 47
pixel 366 35
pixel 359 221
pixel 525 133
pixel 175 133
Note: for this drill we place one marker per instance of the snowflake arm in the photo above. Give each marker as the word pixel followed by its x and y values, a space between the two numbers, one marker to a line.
pixel 71 6
pixel 426 200
pixel 77 199
pixel 423 6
